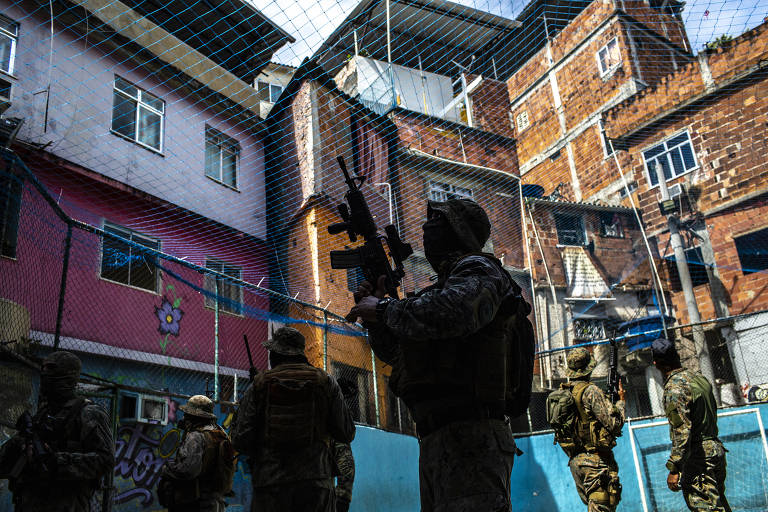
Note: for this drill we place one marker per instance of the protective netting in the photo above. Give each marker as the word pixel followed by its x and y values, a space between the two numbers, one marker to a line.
pixel 171 169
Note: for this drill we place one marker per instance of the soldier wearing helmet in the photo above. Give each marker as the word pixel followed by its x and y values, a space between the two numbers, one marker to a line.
pixel 286 424
pixel 598 423
pixel 443 344
pixel 201 474
pixel 69 439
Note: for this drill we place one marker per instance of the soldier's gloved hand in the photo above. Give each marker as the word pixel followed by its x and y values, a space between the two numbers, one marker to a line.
pixel 673 482
pixel 367 298
pixel 366 288
pixel 342 505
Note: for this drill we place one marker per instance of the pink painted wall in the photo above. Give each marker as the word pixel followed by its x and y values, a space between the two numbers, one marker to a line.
pixel 111 313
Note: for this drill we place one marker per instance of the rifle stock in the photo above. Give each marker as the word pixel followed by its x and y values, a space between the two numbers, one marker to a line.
pixel 252 370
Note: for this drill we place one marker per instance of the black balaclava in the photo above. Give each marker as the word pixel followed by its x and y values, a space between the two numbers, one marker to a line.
pixel 58 377
pixel 440 242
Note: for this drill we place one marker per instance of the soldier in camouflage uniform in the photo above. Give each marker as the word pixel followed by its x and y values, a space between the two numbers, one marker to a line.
pixel 345 475
pixel 201 474
pixel 77 441
pixel 593 466
pixel 442 345
pixel 286 423
pixel 343 459
pixel 697 453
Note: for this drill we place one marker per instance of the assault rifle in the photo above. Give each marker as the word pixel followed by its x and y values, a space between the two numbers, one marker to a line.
pixel 613 373
pixel 371 257
pixel 34 448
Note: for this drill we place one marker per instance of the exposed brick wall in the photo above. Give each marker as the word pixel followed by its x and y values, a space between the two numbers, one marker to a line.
pixel 544 128
pixel 490 107
pixel 580 27
pixel 666 25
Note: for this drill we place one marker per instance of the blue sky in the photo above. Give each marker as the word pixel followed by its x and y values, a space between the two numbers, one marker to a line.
pixel 311 21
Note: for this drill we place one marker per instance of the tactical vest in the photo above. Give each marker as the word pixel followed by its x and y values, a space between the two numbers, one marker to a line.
pixel 296 413
pixel 591 434
pixel 461 372
pixel 703 409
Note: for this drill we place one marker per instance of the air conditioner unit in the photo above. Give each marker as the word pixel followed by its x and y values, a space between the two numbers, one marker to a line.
pixel 675 190
pixel 143 408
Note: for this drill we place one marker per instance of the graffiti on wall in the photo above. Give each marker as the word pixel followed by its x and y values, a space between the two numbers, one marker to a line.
pixel 169 317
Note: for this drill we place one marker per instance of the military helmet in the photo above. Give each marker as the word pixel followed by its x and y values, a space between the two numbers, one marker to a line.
pixel 468 220
pixel 580 363
pixel 200 406
pixel 286 341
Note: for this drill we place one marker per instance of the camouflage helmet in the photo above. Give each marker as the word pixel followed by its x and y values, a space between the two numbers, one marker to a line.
pixel 200 406
pixel 467 219
pixel 286 341
pixel 580 363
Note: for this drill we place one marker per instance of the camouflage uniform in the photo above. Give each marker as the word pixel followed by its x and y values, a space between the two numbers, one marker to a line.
pixel 80 438
pixel 697 453
pixel 345 474
pixel 435 343
pixel 594 470
pixel 190 475
pixel 287 478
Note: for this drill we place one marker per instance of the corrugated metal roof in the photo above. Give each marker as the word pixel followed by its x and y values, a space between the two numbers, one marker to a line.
pixel 578 205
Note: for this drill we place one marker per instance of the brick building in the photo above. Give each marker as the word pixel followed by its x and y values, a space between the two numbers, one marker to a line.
pixel 704 126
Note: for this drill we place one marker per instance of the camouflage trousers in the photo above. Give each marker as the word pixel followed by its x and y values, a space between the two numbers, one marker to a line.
pixel 597 480
pixel 703 478
pixel 466 466
pixel 303 496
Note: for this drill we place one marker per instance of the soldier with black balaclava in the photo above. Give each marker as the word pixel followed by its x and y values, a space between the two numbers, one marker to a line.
pixel 59 456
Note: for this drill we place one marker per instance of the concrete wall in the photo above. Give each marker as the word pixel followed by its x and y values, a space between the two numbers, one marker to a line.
pixel 80 115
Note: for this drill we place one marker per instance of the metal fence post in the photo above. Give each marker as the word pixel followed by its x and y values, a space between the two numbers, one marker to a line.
pixel 216 342
pixel 63 287
pixel 375 384
pixel 325 340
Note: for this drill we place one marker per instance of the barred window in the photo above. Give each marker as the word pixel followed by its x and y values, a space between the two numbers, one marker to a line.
pixel 229 293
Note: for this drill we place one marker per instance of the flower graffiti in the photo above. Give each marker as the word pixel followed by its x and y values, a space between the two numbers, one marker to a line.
pixel 169 317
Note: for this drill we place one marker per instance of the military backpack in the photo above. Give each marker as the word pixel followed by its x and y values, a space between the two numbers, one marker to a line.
pixel 563 417
pixel 219 461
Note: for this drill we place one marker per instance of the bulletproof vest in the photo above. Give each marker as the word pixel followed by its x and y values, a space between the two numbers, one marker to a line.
pixel 483 370
pixel 218 462
pixel 703 409
pixel 61 432
pixel 591 434
pixel 296 413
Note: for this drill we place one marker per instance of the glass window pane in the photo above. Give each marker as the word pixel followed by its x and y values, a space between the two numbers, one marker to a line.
pixel 603 55
pixel 229 168
pixel 149 127
pixel 688 160
pixel 274 93
pixel 677 161
pixel 6 50
pixel 9 25
pixel 664 161
pixel 613 49
pixel 653 172
pixel 654 151
pixel 115 259
pixel 262 91
pixel 143 269
pixel 124 115
pixel 152 101
pixel 212 160
pixel 126 87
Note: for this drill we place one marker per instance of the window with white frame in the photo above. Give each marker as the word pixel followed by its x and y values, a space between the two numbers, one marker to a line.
pixel 228 292
pixel 9 35
pixel 127 263
pixel 444 192
pixel 268 92
pixel 609 57
pixel 607 145
pixel 137 114
pixel 674 157
pixel 522 121
pixel 222 154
